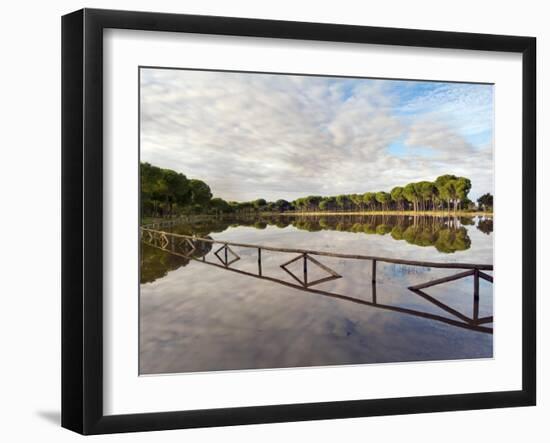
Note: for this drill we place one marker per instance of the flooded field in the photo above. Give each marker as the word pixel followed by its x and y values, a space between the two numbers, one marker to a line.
pixel 205 307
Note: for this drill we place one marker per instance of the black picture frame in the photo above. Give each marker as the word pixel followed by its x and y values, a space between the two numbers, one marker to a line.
pixel 82 218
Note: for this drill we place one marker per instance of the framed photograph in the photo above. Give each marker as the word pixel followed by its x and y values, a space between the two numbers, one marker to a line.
pixel 269 221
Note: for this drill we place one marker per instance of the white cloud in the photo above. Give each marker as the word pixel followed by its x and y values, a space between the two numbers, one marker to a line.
pixel 278 136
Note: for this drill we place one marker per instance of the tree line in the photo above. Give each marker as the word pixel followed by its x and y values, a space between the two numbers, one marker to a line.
pixel 447 192
pixel 166 193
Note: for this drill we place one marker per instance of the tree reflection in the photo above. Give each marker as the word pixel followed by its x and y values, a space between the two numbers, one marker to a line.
pixel 485 225
pixel 156 263
pixel 446 234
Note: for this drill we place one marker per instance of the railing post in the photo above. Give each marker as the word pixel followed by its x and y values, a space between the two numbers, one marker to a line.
pixel 260 261
pixel 305 269
pixel 476 309
pixel 476 284
pixel 374 271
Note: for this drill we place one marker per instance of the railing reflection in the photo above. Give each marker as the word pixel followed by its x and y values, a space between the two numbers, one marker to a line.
pixel 186 248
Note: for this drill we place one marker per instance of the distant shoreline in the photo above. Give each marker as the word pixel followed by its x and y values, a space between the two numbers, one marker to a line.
pixel 411 213
pixel 149 220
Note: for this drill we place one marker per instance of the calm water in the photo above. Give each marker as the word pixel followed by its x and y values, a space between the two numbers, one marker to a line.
pixel 199 315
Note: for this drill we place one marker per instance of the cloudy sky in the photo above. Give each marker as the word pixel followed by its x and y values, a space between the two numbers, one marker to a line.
pixel 282 136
